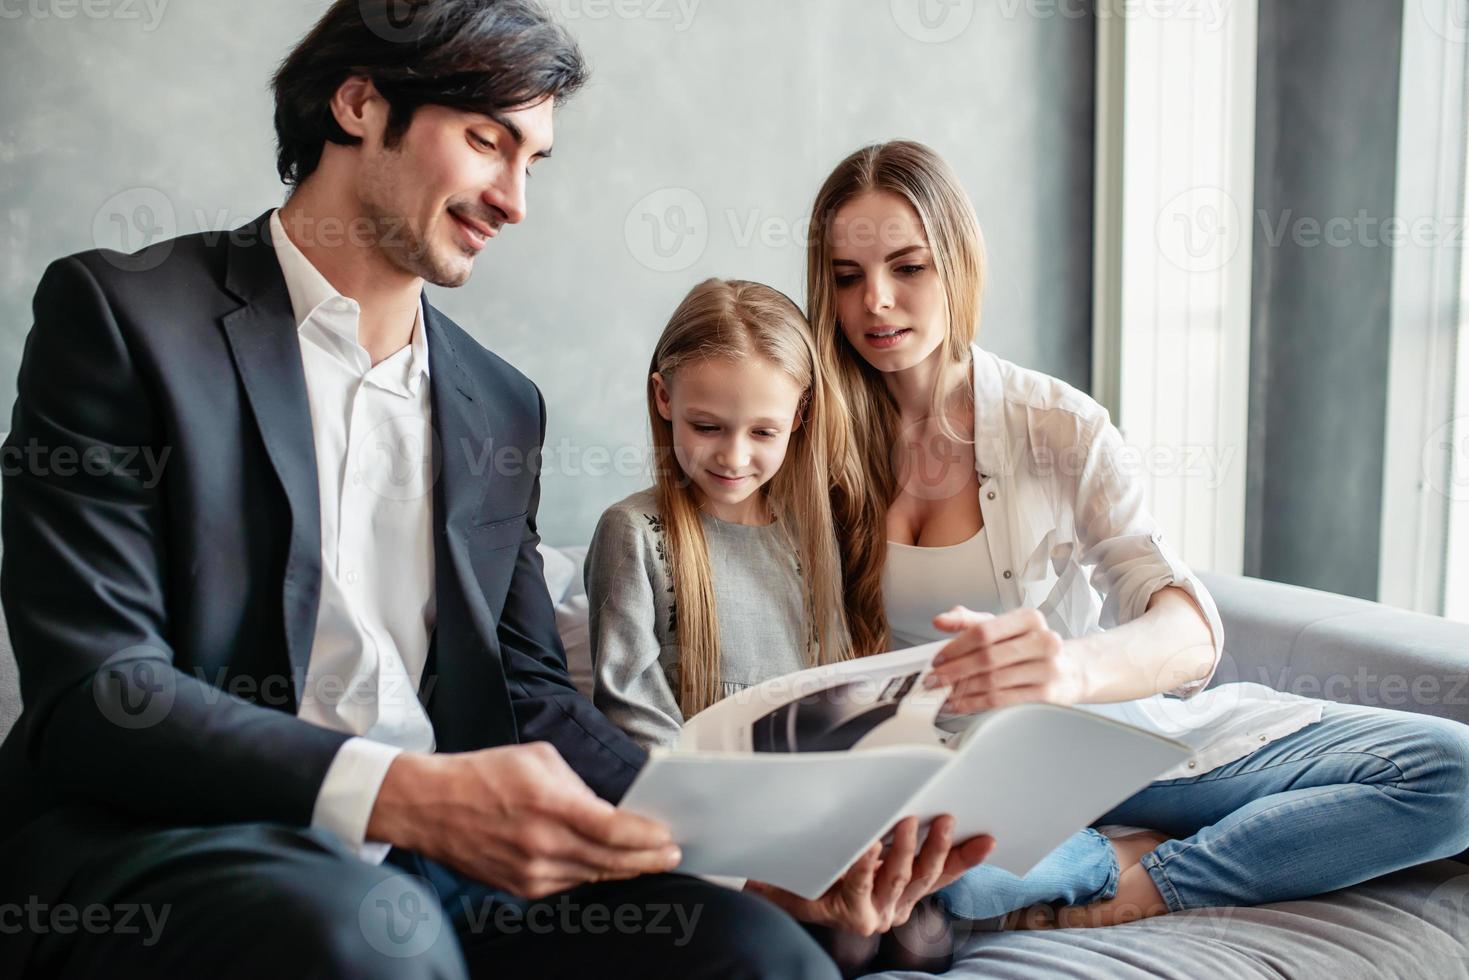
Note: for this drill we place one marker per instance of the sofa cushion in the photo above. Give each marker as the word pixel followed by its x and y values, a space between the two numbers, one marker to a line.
pixel 1413 923
pixel 1338 648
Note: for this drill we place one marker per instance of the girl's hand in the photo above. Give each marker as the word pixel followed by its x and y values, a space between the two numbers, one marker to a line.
pixel 881 888
pixel 1007 659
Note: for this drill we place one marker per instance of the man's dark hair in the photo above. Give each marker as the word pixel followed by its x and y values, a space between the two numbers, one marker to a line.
pixel 479 55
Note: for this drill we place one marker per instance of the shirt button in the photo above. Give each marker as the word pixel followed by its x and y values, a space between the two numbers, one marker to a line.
pixel 1263 738
pixel 357 478
pixel 991 495
pixel 1007 573
pixel 1193 764
pixel 351 578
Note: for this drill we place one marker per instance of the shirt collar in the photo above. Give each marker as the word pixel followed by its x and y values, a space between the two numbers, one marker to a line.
pixel 991 438
pixel 310 291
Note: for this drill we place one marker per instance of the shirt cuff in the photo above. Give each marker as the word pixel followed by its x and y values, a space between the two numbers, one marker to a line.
pixel 344 802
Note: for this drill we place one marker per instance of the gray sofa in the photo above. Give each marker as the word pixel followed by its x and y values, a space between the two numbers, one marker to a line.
pixel 1414 923
pixel 1411 924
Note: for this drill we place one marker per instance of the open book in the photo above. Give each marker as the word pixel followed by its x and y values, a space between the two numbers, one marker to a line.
pixel 789 781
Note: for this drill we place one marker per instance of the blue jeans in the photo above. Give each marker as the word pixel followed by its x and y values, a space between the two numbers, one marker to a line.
pixel 1360 793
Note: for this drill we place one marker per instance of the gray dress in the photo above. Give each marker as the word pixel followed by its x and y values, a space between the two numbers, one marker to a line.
pixel 758 596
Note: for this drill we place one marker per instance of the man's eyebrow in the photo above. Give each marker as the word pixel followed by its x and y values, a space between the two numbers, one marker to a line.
pixel 889 257
pixel 516 134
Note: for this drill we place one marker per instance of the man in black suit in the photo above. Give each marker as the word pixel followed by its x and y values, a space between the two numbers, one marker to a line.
pixel 294 699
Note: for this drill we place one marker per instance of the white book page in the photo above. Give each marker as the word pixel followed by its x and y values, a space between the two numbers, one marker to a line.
pixel 857 704
pixel 794 820
pixel 1033 774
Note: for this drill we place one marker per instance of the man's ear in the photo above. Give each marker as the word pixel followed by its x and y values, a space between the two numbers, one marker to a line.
pixel 359 108
pixel 660 396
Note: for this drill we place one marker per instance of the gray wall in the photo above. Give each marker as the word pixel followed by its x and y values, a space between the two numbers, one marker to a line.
pixel 718 119
pixel 1326 147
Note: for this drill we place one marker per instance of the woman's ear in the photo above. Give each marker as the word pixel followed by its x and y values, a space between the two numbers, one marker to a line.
pixel 660 397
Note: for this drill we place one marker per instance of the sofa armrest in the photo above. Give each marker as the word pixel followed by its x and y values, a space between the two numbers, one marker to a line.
pixel 1338 648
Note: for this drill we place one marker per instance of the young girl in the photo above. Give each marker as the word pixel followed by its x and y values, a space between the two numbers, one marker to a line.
pixel 726 572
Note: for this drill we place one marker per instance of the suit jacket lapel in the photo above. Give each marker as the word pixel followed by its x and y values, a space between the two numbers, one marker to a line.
pixel 267 352
pixel 472 710
pixel 460 425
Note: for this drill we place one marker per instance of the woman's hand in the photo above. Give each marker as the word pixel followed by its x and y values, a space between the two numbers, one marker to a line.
pixel 1007 659
pixel 881 888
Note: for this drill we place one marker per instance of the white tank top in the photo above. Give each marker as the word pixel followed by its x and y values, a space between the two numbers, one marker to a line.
pixel 919 583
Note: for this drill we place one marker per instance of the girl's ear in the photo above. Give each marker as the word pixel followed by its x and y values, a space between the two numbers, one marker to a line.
pixel 660 397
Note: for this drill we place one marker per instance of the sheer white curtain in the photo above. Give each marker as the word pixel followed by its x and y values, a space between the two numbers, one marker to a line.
pixel 1175 195
pixel 1425 502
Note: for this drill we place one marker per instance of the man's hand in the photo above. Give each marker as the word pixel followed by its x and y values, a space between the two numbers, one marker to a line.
pixel 881 888
pixel 517 818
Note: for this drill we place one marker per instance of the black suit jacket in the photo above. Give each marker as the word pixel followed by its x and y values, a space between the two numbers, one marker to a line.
pixel 163 626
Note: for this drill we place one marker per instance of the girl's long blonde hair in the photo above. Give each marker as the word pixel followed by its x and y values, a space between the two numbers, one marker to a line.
pixel 864 481
pixel 737 320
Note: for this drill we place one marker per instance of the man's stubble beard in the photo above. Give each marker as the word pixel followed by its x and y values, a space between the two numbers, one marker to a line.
pixel 393 234
pixel 403 246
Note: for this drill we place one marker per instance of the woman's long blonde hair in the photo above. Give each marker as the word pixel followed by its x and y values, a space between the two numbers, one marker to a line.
pixel 864 481
pixel 738 320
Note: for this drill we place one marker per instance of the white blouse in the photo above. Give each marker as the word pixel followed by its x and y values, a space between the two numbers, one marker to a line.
pixel 1067 531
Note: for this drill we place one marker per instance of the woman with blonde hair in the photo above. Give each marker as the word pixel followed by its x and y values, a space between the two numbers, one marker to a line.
pixel 986 502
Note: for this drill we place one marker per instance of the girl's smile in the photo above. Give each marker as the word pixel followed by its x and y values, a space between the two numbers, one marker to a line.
pixel 732 423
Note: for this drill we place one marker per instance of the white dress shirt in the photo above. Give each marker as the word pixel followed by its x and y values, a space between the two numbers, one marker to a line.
pixel 1069 533
pixel 371 426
